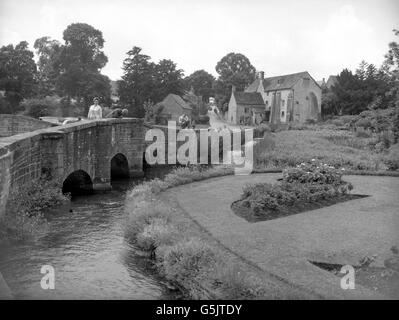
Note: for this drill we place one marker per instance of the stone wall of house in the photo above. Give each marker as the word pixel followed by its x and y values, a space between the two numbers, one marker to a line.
pixel 302 99
pixel 62 150
pixel 11 124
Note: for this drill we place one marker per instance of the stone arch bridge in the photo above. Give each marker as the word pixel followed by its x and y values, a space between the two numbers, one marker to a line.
pixel 86 151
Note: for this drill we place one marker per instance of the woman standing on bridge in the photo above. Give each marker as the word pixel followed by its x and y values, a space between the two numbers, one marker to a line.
pixel 95 111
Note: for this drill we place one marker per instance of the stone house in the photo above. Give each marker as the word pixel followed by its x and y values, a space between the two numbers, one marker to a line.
pixel 293 97
pixel 173 106
pixel 246 108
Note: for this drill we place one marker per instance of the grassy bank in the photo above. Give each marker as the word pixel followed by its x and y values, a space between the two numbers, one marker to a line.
pixel 341 148
pixel 184 253
pixel 23 218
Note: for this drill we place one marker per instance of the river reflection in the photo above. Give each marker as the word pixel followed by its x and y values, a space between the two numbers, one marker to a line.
pixel 86 247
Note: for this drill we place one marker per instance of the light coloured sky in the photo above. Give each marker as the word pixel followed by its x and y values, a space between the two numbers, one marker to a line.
pixel 279 37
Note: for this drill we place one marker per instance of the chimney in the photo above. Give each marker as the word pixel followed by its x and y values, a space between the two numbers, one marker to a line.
pixel 261 75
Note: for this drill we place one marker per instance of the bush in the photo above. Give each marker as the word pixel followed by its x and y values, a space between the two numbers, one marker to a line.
pixel 307 183
pixel 338 122
pixel 362 134
pixel 5 106
pixel 157 233
pixel 313 172
pixel 143 214
pixel 260 130
pixel 24 211
pixel 36 108
pixel 187 259
pixel 311 121
pixel 391 160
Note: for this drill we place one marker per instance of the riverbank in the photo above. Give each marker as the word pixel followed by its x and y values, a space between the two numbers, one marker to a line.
pixel 23 218
pixel 186 254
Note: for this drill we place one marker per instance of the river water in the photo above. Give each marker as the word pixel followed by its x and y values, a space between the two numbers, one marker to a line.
pixel 86 247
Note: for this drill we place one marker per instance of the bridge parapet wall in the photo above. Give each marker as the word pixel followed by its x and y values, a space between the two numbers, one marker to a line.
pixel 61 150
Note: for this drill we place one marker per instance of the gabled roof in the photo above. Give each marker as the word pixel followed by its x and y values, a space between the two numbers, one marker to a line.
pixel 174 98
pixel 332 80
pixel 249 98
pixel 280 82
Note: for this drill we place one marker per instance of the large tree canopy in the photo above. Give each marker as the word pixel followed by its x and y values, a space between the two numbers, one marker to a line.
pixel 236 69
pixel 144 81
pixel 233 69
pixel 168 79
pixel 48 52
pixel 80 61
pixel 202 83
pixel 17 73
pixel 137 82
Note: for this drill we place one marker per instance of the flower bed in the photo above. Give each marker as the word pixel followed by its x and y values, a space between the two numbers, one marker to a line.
pixel 307 186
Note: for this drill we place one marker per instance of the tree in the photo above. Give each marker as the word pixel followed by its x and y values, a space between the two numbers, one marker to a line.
pixel 48 52
pixel 233 69
pixel 202 83
pixel 144 80
pixel 167 79
pixel 391 67
pixel 80 60
pixel 137 84
pixel 17 73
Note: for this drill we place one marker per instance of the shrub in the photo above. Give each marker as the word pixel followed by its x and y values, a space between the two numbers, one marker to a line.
pixel 24 211
pixel 362 134
pixel 143 214
pixel 313 172
pixel 310 121
pixel 261 129
pixel 338 122
pixel 186 259
pixel 49 106
pixel 308 182
pixel 235 282
pixel 157 233
pixel 391 160
pixel 5 106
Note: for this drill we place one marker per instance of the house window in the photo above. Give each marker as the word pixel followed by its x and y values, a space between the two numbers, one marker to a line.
pixel 268 93
pixel 246 110
pixel 282 114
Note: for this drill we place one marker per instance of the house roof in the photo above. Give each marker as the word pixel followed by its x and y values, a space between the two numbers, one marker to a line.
pixel 332 80
pixel 249 98
pixel 279 82
pixel 174 98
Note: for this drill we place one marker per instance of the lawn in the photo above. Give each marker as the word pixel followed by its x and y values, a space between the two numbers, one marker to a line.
pixel 339 148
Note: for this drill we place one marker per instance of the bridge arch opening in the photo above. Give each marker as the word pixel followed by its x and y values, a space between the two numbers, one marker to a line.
pixel 119 167
pixel 78 183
